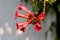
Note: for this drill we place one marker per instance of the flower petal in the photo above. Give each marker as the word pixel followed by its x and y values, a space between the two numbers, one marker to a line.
pixel 21 7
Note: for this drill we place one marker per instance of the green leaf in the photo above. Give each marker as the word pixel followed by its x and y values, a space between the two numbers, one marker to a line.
pixel 53 26
pixel 46 33
pixel 48 6
pixel 34 5
pixel 34 9
pixel 58 7
pixel 51 1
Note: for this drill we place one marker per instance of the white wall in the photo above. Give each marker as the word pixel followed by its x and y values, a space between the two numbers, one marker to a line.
pixel 8 29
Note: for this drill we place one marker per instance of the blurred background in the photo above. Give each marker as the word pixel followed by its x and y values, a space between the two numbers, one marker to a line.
pixel 8 29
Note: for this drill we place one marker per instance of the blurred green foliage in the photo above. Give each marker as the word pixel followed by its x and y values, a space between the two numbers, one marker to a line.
pixel 37 5
pixel 58 7
pixel 46 33
pixel 51 28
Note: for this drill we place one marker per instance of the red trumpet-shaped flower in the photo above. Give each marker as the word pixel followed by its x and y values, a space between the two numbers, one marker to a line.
pixel 20 15
pixel 22 26
pixel 21 7
pixel 19 24
pixel 41 16
pixel 37 26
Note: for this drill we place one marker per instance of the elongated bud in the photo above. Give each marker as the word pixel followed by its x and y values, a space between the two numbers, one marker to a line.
pixel 21 7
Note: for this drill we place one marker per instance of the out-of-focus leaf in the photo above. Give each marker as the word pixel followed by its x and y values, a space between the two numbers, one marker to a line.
pixel 40 6
pixel 48 6
pixel 41 0
pixel 53 26
pixel 58 7
pixel 46 33
pixel 33 1
pixel 34 9
pixel 51 1
pixel 34 5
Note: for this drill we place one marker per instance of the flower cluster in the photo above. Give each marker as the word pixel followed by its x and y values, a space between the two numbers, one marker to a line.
pixel 31 19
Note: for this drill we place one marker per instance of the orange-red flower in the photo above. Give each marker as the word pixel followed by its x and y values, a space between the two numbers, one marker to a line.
pixel 20 15
pixel 22 26
pixel 22 7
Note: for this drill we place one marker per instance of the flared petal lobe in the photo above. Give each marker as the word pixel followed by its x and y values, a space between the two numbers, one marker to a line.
pixel 21 7
pixel 41 16
pixel 37 26
pixel 22 26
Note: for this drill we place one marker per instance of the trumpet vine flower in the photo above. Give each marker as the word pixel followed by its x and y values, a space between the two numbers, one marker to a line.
pixel 31 19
